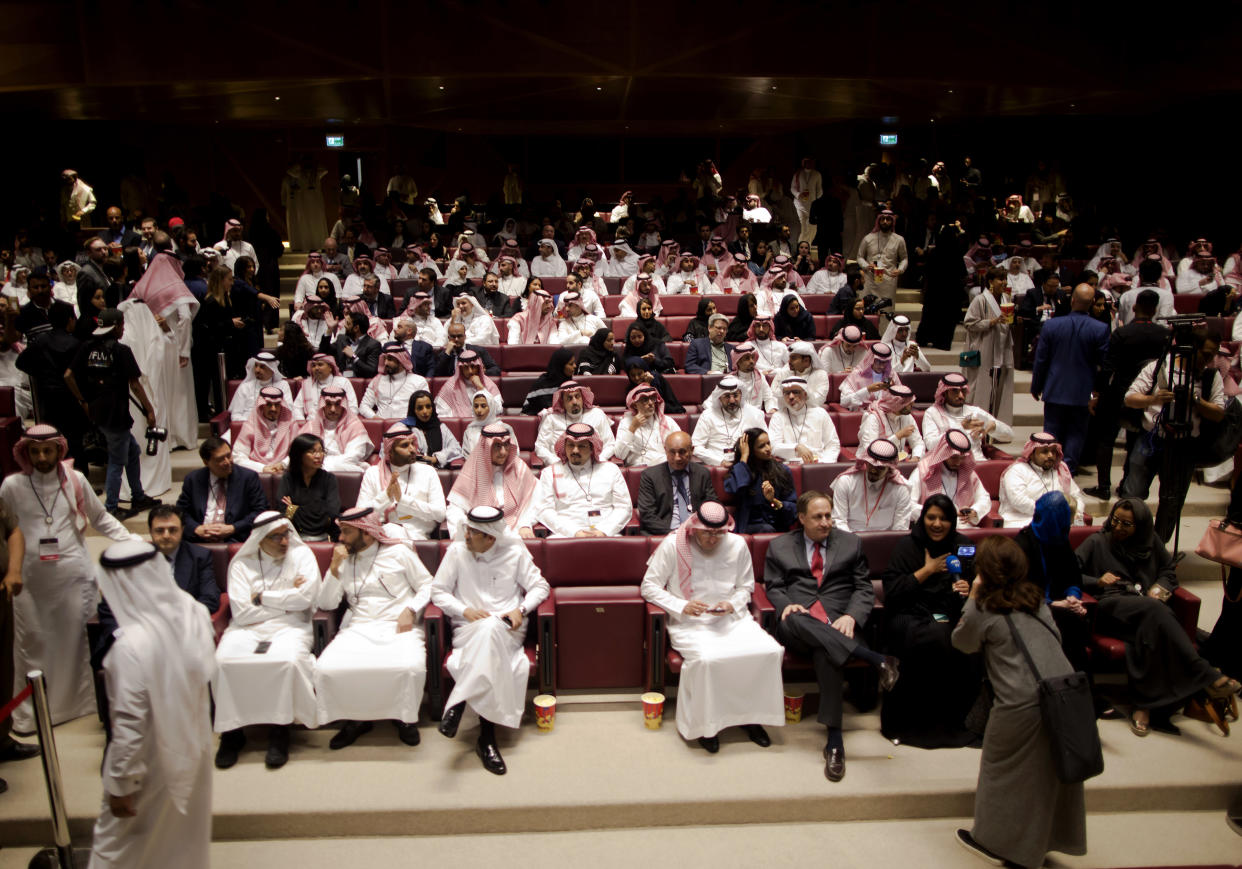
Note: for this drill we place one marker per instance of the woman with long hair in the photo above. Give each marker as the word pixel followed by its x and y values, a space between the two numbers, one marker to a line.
pixel 762 485
pixel 307 493
pixel 439 445
pixel 294 352
pixel 1022 810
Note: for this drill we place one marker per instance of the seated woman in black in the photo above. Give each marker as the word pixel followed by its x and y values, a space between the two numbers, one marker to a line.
pixel 638 343
pixel 698 326
pixel 599 356
pixel 562 365
pixel 793 321
pixel 762 485
pixel 739 326
pixel 1054 568
pixel 923 601
pixel 854 317
pixel 1126 566
pixel 647 319
pixel 307 493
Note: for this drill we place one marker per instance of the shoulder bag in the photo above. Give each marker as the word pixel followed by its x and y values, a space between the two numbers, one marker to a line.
pixel 1068 714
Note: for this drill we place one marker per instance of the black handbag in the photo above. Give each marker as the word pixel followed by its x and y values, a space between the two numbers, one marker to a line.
pixel 1068 714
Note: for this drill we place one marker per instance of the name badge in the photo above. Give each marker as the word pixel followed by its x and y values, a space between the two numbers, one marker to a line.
pixel 594 514
pixel 49 549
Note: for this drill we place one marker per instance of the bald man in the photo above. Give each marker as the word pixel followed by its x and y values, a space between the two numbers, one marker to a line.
pixel 1066 375
pixel 670 492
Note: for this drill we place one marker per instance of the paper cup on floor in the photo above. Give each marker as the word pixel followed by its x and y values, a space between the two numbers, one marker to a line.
pixel 653 710
pixel 793 707
pixel 545 712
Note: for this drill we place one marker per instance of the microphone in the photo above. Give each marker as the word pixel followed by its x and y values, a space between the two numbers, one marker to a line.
pixel 953 565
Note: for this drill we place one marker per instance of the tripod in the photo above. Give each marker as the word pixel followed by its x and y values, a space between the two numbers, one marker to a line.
pixel 1174 421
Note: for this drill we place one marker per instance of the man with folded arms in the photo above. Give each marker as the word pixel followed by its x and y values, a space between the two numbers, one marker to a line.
pixel 376 665
pixel 818 582
pixel 265 671
pixel 489 586
pixel 581 496
pixel 702 577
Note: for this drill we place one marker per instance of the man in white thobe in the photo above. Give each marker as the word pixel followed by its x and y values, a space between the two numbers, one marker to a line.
pixel 890 417
pixel 950 410
pixel 949 470
pixel 807 186
pixel 755 388
pixel 572 402
pixel 641 431
pixel 233 246
pixel 907 355
pixel 426 326
pixel 406 493
pixel 489 586
pixel 53 504
pixel 580 495
pixel 722 422
pixel 883 257
pixel 376 665
pixel 549 263
pixel 799 432
pixel 873 495
pixel 701 575
pixel 1041 469
pixel 388 394
pixel 346 444
pixel 265 671
pixel 772 354
pixel 323 372
pixel 157 775
pixel 806 364
pixel 576 325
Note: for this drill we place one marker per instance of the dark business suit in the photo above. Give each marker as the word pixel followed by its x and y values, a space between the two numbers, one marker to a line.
pixel 846 590
pixel 243 500
pixel 1070 352
pixel 445 364
pixel 195 575
pixel 423 355
pixel 699 355
pixel 365 363
pixel 382 307
pixel 655 495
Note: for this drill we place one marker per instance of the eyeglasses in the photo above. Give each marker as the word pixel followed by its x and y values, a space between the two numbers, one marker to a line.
pixel 1123 523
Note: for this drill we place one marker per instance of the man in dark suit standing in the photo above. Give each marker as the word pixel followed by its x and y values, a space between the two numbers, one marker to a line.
pixel 1129 348
pixel 445 364
pixel 670 492
pixel 357 353
pixel 818 581
pixel 1067 363
pixel 218 502
pixel 743 243
pixel 191 565
pixel 705 355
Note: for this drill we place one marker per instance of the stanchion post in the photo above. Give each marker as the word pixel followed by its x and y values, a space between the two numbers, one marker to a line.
pixel 222 379
pixel 51 769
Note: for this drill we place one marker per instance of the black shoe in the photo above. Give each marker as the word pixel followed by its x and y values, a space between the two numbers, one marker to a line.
pixel 758 735
pixel 834 769
pixel 277 746
pixel 1162 724
pixel 1100 492
pixel 451 719
pixel 888 673
pixel 15 750
pixel 490 755
pixel 968 842
pixel 407 732
pixel 120 514
pixel 711 744
pixel 349 734
pixel 146 502
pixel 231 744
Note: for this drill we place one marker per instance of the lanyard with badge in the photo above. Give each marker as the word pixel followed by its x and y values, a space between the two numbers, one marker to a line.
pixel 49 547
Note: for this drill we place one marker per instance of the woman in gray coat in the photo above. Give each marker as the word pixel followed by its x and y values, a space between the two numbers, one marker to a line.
pixel 1022 810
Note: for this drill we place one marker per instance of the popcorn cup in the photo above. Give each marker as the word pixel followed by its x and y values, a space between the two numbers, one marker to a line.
pixel 793 707
pixel 1007 311
pixel 545 712
pixel 653 710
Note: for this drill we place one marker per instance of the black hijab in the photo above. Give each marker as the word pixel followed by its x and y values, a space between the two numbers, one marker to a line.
pixel 786 325
pixel 540 395
pixel 653 327
pixel 919 531
pixel 741 323
pixel 431 428
pixel 594 359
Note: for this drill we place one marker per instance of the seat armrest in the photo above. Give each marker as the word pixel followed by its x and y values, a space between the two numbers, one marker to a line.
pixel 220 423
pixel 1185 607
pixel 657 646
pixel 436 632
pixel 763 609
pixel 323 626
pixel 222 616
pixel 545 645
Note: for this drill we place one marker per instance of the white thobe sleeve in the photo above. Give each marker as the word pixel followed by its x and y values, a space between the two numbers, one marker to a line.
pixel 291 599
pixel 1017 498
pixel 1078 500
pixel 444 586
pixel 125 760
pixel 545 441
pixel 531 581
pixel 613 521
pixel 351 458
pixel 932 432
pixel 842 493
pixel 544 508
pixel 625 447
pixel 423 499
pixel 830 449
pixel 607 441
pixel 903 510
pixel 982 504
pixel 659 580
pixel 103 521
pixel 914 483
pixel 330 591
pixel 515 330
pixel 419 581
pixel 782 438
pixel 869 430
pixel 1001 433
pixel 704 430
pixel 743 585
pixel 855 399
pixel 241 455
pixel 366 407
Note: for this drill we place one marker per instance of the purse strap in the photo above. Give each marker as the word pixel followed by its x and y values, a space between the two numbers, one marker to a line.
pixel 1017 638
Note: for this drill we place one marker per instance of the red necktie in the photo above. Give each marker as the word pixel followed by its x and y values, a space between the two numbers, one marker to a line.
pixel 817 571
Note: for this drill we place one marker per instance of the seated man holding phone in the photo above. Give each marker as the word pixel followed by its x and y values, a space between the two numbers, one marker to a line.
pixel 949 469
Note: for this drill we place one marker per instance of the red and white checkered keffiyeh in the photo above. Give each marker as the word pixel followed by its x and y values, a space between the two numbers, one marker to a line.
pixel 954 443
pixel 1043 439
pixel 265 444
pixel 711 516
pixel 474 482
pixel 458 393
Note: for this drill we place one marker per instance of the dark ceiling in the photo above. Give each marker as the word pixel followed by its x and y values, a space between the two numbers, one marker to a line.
pixel 603 69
